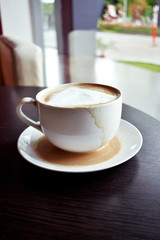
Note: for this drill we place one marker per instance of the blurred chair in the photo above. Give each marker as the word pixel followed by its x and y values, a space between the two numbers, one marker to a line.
pixel 21 63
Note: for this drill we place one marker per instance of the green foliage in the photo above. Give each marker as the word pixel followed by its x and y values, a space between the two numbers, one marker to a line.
pixel 126 29
pixel 103 46
pixel 108 2
pixel 151 2
pixel 148 11
pixel 100 44
pixel 48 8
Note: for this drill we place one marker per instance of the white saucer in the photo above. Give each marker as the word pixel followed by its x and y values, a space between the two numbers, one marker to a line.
pixel 129 136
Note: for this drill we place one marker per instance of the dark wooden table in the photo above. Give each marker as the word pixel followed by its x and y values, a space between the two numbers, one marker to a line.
pixel 119 203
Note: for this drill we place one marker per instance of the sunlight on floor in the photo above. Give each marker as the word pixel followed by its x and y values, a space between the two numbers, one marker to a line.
pixel 140 87
pixel 52 67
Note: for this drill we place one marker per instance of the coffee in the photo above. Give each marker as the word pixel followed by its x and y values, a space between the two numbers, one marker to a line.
pixel 82 95
pixel 49 153
pixel 80 117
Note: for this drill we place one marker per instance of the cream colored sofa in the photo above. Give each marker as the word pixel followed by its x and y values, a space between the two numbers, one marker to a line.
pixel 21 63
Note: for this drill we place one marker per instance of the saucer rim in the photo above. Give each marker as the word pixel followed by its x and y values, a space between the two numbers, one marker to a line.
pixel 78 169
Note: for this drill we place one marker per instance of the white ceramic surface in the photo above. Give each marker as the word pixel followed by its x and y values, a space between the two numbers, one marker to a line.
pixel 76 129
pixel 129 136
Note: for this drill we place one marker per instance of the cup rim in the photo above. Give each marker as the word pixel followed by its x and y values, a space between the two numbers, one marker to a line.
pixel 39 94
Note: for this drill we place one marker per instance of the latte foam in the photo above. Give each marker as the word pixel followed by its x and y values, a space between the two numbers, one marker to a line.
pixel 76 97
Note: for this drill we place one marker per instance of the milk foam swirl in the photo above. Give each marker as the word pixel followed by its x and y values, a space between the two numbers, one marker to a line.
pixel 75 97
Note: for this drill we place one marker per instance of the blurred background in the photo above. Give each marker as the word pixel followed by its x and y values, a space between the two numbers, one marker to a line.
pixel 114 42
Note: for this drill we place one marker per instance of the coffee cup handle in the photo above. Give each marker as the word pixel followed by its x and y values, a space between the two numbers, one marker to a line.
pixel 23 117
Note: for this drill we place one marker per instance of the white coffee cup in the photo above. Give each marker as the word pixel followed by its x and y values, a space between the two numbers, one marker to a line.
pixel 73 122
